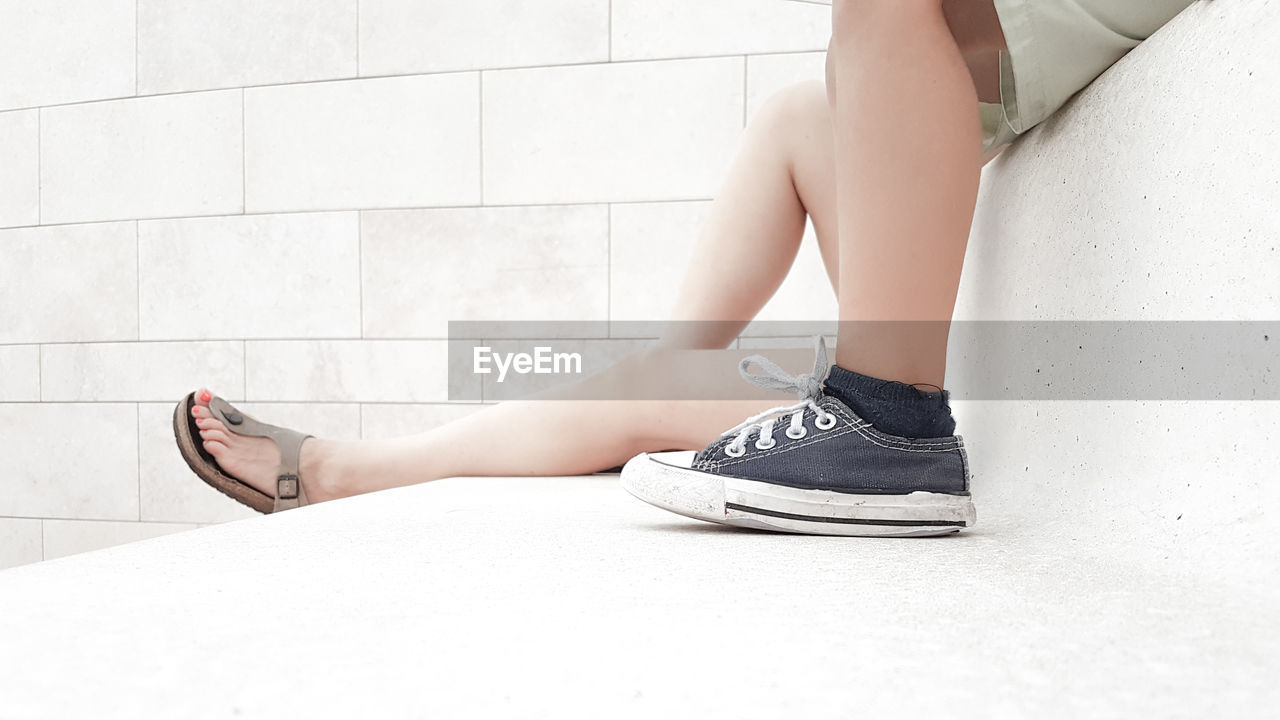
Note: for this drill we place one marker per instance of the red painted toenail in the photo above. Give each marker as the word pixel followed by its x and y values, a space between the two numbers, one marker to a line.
pixel 205 396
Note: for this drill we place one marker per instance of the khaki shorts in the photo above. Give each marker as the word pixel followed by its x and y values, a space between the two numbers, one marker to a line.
pixel 1057 47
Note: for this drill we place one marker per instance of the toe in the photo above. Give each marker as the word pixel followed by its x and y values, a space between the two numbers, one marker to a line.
pixel 216 434
pixel 203 412
pixel 215 448
pixel 203 396
pixel 206 422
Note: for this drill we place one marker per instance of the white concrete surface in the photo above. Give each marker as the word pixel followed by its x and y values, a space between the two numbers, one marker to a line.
pixel 567 598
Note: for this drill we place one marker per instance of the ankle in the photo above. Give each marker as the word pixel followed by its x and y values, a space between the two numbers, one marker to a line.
pixel 891 406
pixel 319 467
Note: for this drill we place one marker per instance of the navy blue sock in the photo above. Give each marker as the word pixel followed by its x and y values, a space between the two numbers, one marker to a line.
pixel 893 407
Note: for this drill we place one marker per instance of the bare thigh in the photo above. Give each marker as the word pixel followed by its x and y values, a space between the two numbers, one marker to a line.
pixel 975 25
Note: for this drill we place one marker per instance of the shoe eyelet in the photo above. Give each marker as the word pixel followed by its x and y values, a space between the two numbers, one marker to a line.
pixel 796 434
pixel 761 446
pixel 831 422
pixel 734 451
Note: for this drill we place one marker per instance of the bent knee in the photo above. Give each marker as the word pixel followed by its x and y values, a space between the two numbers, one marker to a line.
pixel 793 106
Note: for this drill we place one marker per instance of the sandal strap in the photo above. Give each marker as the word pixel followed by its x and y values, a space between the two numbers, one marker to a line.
pixel 288 442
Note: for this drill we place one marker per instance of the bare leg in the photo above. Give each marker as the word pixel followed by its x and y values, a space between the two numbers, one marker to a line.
pixel 908 156
pixel 750 241
pixel 753 234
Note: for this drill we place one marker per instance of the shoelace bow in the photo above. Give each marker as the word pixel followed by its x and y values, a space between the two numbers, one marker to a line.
pixel 806 386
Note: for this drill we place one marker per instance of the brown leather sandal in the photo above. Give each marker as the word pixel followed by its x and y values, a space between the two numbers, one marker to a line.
pixel 289 493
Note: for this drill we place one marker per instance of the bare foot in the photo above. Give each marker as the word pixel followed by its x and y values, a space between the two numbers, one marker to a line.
pixel 255 460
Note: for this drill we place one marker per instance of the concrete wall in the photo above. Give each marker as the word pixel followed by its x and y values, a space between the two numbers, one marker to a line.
pixel 197 193
pixel 1152 196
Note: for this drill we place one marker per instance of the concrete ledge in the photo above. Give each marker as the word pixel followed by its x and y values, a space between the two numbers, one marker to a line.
pixel 565 597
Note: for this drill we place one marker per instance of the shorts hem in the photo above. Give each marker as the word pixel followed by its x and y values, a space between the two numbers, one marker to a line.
pixel 1021 92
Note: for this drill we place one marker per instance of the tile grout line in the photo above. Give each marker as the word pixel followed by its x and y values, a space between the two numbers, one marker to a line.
pixel 40 373
pixel 39 167
pixel 459 71
pixel 608 265
pixel 402 339
pixel 244 161
pixel 480 117
pixel 348 401
pixel 137 435
pixel 136 24
pixel 745 63
pixel 360 266
pixel 368 400
pixel 263 213
pixel 105 520
pixel 609 38
pixel 137 275
pixel 42 556
pixel 357 38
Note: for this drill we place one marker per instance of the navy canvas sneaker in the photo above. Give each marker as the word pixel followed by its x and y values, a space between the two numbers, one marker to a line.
pixel 822 471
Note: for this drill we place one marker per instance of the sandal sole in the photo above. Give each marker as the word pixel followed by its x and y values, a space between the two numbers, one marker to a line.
pixel 187 434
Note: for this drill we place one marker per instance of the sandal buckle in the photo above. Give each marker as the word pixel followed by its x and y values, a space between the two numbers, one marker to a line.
pixel 287 487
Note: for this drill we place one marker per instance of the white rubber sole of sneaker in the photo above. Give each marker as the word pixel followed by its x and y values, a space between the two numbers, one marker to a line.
pixel 666 481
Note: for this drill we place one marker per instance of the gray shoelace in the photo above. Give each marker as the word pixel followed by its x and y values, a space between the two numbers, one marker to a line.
pixel 806 386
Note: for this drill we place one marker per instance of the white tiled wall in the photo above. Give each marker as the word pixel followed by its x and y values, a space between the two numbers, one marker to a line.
pixel 19 168
pixel 658 130
pixel 399 37
pixel 286 200
pixel 186 45
pixel 304 280
pixel 382 142
pixel 69 283
pixel 67 51
pixel 167 156
pixel 545 262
